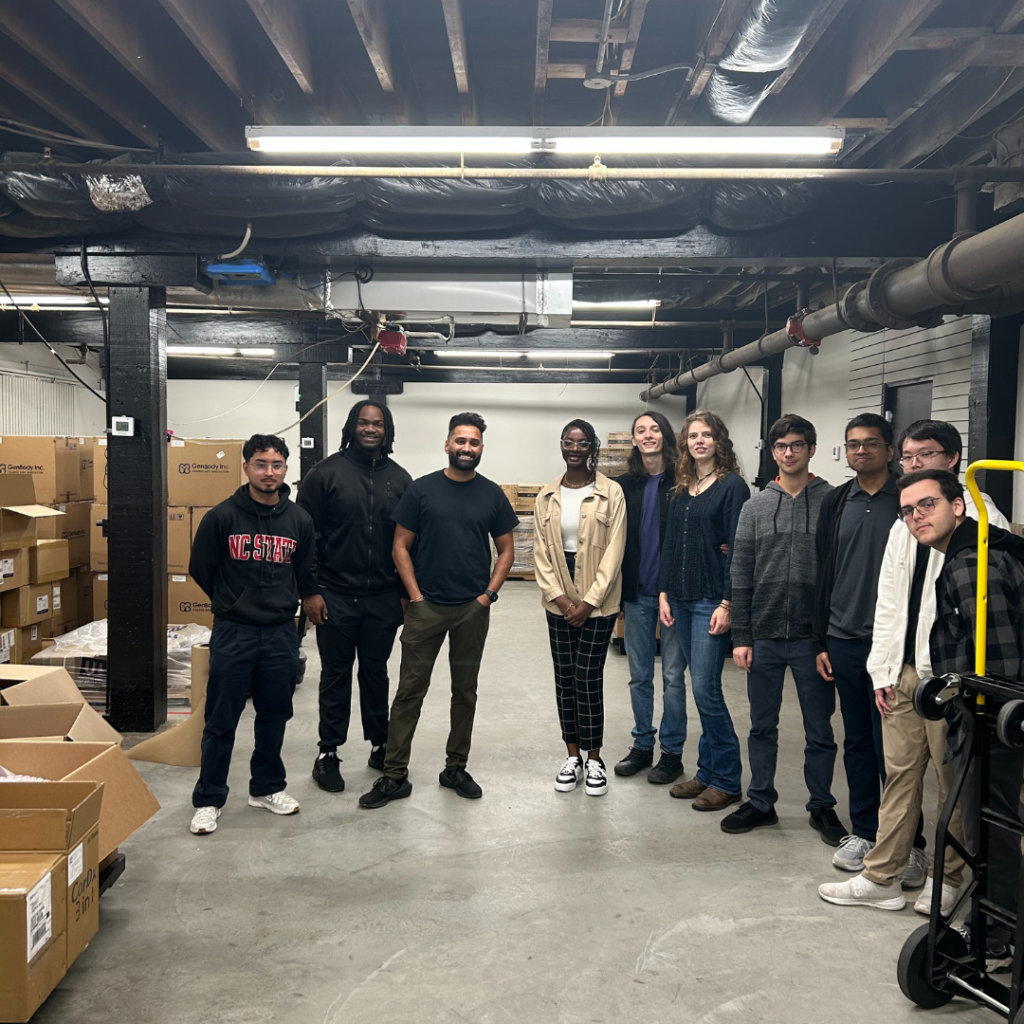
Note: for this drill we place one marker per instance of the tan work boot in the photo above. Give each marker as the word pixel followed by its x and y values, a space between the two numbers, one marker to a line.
pixel 687 790
pixel 714 800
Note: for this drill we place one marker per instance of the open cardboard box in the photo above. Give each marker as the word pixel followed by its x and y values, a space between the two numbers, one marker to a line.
pixel 75 721
pixel 19 511
pixel 127 801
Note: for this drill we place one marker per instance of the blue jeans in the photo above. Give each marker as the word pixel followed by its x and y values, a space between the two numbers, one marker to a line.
pixel 641 645
pixel 817 705
pixel 718 755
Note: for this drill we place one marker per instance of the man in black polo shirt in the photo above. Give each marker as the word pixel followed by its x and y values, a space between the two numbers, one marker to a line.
pixel 447 518
pixel 853 527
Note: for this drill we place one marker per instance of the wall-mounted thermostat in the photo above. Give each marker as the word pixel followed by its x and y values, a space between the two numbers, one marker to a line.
pixel 307 442
pixel 122 426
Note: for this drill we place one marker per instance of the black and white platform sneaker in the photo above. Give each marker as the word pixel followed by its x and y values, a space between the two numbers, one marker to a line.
pixel 570 775
pixel 596 783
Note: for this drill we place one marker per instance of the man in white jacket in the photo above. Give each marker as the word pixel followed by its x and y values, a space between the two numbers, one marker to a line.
pixel 900 656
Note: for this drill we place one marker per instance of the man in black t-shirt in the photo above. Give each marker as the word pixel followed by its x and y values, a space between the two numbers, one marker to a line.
pixel 443 556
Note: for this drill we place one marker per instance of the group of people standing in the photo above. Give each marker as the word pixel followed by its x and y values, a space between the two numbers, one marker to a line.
pixel 859 590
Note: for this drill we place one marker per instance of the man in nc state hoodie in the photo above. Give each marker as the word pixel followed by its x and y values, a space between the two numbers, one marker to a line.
pixel 254 555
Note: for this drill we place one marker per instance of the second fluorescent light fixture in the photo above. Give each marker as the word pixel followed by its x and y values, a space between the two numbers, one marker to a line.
pixel 478 141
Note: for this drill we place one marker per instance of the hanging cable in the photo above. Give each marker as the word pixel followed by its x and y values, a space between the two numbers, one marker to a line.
pixel 53 351
pixel 338 391
pixel 31 131
pixel 245 241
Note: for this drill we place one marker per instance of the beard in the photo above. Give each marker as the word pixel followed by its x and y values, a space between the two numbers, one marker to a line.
pixel 456 463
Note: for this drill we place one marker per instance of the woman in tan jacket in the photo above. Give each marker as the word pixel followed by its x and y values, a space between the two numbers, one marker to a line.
pixel 580 536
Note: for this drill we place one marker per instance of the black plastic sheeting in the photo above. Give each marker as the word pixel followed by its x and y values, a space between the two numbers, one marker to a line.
pixel 40 206
pixel 760 49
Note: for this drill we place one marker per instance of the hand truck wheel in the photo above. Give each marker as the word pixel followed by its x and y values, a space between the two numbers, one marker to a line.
pixel 1010 724
pixel 911 969
pixel 926 702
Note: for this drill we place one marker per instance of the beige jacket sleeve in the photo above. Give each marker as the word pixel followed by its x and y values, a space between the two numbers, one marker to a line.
pixel 543 569
pixel 610 566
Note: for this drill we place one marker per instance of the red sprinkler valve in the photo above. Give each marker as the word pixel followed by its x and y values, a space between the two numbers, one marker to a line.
pixel 795 330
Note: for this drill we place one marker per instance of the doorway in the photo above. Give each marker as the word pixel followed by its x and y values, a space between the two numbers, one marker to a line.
pixel 903 404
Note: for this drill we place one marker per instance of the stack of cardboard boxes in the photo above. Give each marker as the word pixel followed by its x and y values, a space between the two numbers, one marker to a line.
pixel 57 835
pixel 614 455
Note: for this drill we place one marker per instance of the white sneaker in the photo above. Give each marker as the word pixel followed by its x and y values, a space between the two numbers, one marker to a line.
pixel 923 904
pixel 596 783
pixel 862 892
pixel 916 873
pixel 276 803
pixel 204 821
pixel 570 775
pixel 850 855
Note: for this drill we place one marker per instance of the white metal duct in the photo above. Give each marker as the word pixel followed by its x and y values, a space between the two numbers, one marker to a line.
pixel 35 405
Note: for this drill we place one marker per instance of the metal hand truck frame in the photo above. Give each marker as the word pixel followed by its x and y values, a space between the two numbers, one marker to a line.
pixel 935 964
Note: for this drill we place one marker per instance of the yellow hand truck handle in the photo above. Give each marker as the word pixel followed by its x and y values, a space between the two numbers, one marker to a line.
pixel 981 630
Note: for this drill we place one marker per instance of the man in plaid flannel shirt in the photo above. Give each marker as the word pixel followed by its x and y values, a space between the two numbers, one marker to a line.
pixel 932 503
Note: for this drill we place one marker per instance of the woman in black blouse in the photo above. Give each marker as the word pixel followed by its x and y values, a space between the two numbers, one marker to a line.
pixel 695 592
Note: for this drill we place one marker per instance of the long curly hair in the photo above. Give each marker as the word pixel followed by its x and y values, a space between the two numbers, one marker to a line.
pixel 725 456
pixel 348 432
pixel 591 435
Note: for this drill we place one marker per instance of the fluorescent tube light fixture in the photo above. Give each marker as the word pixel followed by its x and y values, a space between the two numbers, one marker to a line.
pixel 27 301
pixel 548 353
pixel 203 351
pixel 727 141
pixel 624 304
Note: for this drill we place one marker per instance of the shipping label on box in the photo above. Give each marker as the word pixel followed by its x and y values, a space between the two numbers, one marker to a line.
pixel 202 472
pixel 8 646
pixel 186 602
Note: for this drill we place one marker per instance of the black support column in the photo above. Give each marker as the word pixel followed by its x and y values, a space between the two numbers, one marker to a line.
pixel 137 518
pixel 768 378
pixel 313 429
pixel 992 401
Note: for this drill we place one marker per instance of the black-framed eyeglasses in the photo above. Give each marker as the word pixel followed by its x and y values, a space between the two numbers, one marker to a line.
pixel 568 444
pixel 872 444
pixel 909 460
pixel 796 447
pixel 925 506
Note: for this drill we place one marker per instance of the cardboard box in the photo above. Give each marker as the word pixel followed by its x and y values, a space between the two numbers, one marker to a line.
pixel 75 526
pixel 17 645
pixel 74 721
pixel 68 611
pixel 198 511
pixel 13 568
pixel 51 462
pixel 127 800
pixel 202 471
pixel 48 561
pixel 31 684
pixel 99 469
pixel 19 512
pixel 97 542
pixel 186 602
pixel 86 478
pixel 26 605
pixel 83 597
pixel 33 923
pixel 76 807
pixel 99 595
pixel 179 539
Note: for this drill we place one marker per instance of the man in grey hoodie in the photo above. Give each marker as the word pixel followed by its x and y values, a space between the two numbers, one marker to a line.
pixel 774 568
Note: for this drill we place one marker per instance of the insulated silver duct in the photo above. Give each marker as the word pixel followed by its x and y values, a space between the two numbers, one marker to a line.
pixel 981 273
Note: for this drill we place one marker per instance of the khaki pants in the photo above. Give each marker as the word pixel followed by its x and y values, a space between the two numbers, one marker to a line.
pixel 910 742
pixel 426 626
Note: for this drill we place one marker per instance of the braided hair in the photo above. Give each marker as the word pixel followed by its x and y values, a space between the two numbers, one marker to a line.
pixel 595 445
pixel 348 432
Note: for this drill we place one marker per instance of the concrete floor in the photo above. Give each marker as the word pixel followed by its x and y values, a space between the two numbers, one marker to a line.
pixel 526 906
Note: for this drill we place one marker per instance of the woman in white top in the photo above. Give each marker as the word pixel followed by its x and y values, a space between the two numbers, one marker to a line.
pixel 579 540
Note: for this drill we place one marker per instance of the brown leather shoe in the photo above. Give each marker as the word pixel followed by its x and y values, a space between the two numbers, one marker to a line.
pixel 687 790
pixel 714 800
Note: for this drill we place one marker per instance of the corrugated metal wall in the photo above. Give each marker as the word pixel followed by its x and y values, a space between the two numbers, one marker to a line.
pixel 35 405
pixel 941 354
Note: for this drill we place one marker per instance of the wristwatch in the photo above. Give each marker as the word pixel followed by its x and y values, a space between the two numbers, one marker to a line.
pixel 492 595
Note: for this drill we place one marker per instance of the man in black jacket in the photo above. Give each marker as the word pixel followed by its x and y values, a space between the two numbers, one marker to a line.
pixel 853 528
pixel 350 496
pixel 254 556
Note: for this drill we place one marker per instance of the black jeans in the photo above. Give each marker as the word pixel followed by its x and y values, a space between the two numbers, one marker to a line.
pixel 356 625
pixel 263 660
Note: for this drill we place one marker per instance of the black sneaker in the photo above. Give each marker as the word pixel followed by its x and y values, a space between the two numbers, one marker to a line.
pixel 826 821
pixel 461 781
pixel 376 761
pixel 327 773
pixel 747 817
pixel 385 789
pixel 634 762
pixel 668 769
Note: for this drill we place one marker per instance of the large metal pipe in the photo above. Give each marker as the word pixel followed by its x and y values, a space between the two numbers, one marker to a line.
pixel 596 172
pixel 974 274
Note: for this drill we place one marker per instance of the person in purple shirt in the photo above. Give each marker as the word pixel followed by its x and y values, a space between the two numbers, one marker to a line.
pixel 648 487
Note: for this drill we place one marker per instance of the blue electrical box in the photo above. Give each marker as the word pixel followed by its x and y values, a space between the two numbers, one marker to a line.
pixel 251 272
